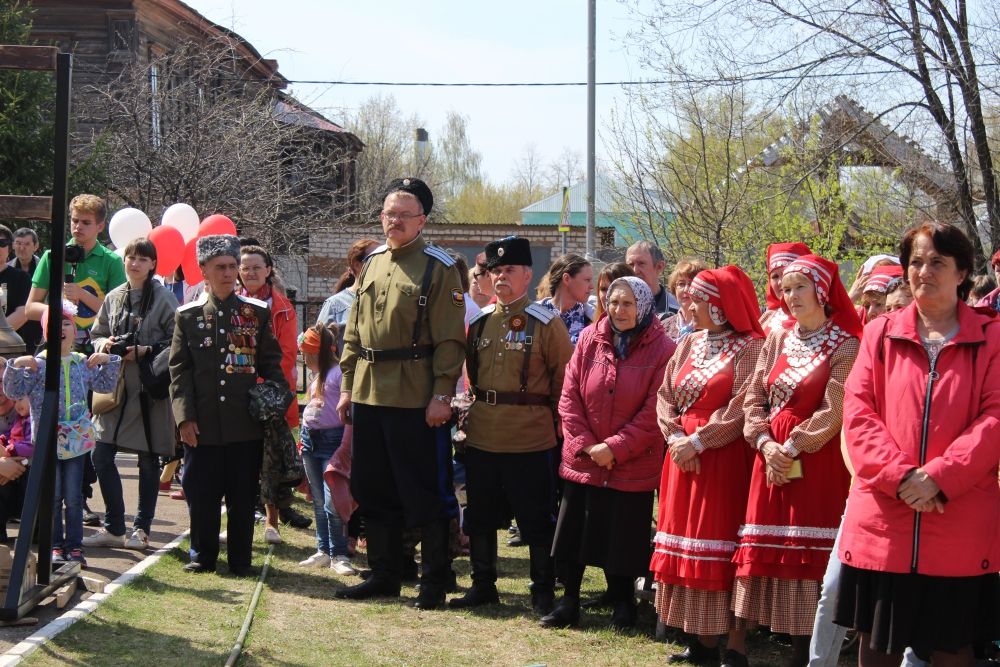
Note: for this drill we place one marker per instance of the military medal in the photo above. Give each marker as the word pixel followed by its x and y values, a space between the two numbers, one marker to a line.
pixel 247 310
pixel 207 342
pixel 517 323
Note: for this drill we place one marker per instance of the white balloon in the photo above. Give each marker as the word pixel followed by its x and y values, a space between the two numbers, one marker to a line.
pixel 120 252
pixel 184 218
pixel 128 225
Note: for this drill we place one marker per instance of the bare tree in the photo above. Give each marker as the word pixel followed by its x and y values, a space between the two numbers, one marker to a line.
pixel 527 172
pixel 188 127
pixel 918 61
pixel 566 169
pixel 457 162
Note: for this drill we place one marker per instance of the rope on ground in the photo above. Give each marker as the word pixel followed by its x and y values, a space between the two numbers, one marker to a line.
pixel 234 655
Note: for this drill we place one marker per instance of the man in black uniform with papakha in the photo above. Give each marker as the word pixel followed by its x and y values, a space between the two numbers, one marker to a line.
pixel 404 344
pixel 222 344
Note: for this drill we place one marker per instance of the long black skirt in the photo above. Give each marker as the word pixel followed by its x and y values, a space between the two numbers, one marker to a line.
pixel 922 612
pixel 605 528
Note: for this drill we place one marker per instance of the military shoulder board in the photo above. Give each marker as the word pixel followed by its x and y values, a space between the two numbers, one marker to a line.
pixel 377 251
pixel 200 301
pixel 539 312
pixel 482 313
pixel 440 255
pixel 250 299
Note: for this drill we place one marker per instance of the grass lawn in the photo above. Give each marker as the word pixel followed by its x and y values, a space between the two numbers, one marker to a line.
pixel 167 617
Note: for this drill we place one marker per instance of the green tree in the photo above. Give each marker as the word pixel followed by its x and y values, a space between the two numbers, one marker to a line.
pixel 26 104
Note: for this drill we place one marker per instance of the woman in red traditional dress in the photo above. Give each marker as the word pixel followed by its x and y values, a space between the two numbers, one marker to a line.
pixel 779 255
pixel 704 483
pixel 794 407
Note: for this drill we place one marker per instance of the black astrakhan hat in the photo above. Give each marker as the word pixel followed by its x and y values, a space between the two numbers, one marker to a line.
pixel 512 250
pixel 415 187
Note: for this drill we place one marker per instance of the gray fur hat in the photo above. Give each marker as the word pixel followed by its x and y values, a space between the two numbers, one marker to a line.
pixel 210 247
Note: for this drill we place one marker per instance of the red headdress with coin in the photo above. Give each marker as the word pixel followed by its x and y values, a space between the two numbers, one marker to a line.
pixel 731 298
pixel 883 277
pixel 780 255
pixel 825 277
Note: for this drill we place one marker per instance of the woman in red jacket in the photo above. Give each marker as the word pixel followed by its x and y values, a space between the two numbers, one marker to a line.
pixel 257 280
pixel 920 542
pixel 793 412
pixel 612 451
pixel 703 487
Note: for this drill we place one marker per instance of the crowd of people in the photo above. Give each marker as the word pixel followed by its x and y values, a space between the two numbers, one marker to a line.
pixel 825 463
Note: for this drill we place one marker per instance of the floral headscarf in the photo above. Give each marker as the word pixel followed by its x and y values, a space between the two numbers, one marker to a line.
pixel 643 312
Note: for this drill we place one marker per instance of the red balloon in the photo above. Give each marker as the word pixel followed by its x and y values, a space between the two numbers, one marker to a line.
pixel 189 263
pixel 169 244
pixel 216 224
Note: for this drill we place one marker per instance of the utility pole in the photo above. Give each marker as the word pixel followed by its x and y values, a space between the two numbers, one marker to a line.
pixel 591 122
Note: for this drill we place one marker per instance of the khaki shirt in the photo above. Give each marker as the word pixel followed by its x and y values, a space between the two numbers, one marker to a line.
pixel 382 318
pixel 517 428
pixel 219 349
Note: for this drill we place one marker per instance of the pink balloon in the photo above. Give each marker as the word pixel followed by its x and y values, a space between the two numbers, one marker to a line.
pixel 216 224
pixel 189 263
pixel 169 243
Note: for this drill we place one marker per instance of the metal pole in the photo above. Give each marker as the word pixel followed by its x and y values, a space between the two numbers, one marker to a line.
pixel 591 122
pixel 39 496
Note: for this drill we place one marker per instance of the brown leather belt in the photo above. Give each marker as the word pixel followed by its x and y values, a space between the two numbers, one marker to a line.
pixel 398 354
pixel 491 397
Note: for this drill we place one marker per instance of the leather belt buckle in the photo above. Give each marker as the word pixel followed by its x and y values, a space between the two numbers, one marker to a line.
pixel 368 354
pixel 491 397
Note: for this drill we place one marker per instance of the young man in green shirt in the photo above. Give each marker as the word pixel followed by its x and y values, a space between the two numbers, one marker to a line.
pixel 92 277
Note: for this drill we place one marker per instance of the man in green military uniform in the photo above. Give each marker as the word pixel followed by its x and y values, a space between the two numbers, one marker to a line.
pixel 403 351
pixel 516 355
pixel 222 344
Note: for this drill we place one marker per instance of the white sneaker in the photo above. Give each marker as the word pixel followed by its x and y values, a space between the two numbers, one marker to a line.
pixel 318 559
pixel 342 565
pixel 103 538
pixel 272 536
pixel 138 541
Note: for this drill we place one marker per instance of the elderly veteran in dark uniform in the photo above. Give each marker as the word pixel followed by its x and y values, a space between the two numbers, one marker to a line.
pixel 516 355
pixel 403 351
pixel 222 344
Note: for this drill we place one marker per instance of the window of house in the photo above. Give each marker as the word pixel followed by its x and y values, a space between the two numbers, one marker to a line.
pixel 121 34
pixel 155 112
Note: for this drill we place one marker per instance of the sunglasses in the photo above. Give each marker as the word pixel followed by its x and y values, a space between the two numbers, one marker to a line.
pixel 4 242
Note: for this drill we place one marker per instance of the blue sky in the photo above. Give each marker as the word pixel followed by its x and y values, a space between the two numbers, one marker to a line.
pixel 447 40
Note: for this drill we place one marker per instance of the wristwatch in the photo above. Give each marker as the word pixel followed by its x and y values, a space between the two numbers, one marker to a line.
pixel 444 398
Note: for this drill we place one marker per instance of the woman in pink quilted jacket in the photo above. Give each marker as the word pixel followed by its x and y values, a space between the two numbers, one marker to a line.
pixel 613 451
pixel 920 542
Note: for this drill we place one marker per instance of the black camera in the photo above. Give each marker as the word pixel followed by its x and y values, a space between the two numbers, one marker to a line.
pixel 74 254
pixel 120 344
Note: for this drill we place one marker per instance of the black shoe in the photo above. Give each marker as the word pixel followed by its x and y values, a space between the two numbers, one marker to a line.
pixel 734 659
pixel 429 602
pixel 623 617
pixel 452 586
pixel 372 587
pixel 696 654
pixel 602 601
pixel 294 518
pixel 565 615
pixel 543 602
pixel 515 541
pixel 476 596
pixel 198 568
pixel 91 519
pixel 243 571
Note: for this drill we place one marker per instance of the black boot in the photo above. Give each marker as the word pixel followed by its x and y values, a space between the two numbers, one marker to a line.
pixel 624 615
pixel 385 560
pixel 697 654
pixel 565 615
pixel 483 558
pixel 434 565
pixel 800 651
pixel 543 578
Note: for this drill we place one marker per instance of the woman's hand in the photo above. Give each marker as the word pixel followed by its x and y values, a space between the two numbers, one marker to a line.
pixel 682 451
pixel 778 463
pixel 98 359
pixel 602 455
pixel 918 489
pixel 858 287
pixel 10 469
